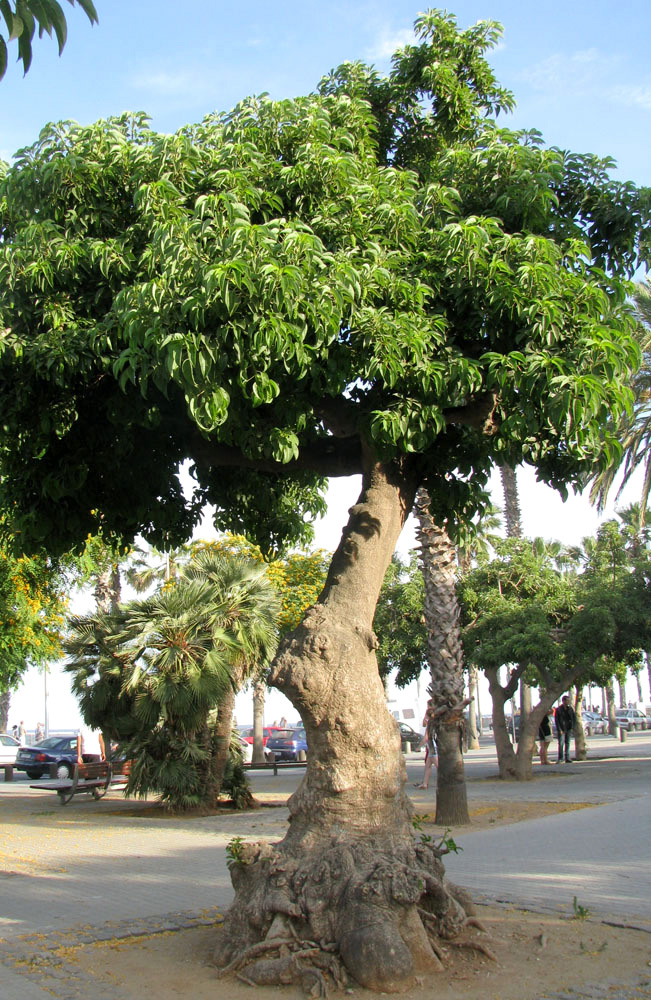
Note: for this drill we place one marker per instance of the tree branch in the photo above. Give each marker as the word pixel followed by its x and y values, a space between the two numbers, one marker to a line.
pixel 480 413
pixel 326 457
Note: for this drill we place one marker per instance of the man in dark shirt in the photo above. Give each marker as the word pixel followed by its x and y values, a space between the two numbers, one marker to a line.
pixel 565 719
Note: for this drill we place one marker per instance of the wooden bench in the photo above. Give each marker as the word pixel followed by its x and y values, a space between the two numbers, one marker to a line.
pixel 94 779
pixel 8 770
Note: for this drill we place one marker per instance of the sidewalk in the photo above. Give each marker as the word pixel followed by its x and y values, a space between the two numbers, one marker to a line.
pixel 114 866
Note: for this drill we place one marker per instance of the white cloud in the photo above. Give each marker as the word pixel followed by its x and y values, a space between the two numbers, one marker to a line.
pixel 386 42
pixel 579 73
pixel 632 95
pixel 179 84
pixel 590 73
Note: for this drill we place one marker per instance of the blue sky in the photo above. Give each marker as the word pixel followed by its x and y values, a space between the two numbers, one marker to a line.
pixel 580 70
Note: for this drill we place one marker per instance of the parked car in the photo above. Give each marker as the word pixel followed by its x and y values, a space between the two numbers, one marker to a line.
pixel 8 748
pixel 246 749
pixel 631 718
pixel 246 732
pixel 59 750
pixel 593 723
pixel 288 744
pixel 409 735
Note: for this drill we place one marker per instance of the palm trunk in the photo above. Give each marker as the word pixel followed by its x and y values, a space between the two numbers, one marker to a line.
pixel 349 871
pixel 220 740
pixel 621 687
pixel 258 722
pixel 445 659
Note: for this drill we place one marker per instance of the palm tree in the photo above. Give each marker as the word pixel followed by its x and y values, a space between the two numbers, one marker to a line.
pixel 445 658
pixel 635 428
pixel 249 607
pixel 163 671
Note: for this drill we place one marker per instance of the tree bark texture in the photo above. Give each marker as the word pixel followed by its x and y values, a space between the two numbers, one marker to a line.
pixel 580 746
pixel 473 709
pixel 613 727
pixel 349 891
pixel 438 564
pixel 5 698
pixel 258 722
pixel 219 744
pixel 518 764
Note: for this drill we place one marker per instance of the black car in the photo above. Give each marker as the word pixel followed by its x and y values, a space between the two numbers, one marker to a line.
pixel 59 750
pixel 409 737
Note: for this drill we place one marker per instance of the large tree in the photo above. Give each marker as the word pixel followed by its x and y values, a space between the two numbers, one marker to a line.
pixel 372 279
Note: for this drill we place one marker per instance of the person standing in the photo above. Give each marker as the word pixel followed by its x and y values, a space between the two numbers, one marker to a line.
pixel 22 733
pixel 544 738
pixel 565 719
pixel 90 746
pixel 40 732
pixel 431 753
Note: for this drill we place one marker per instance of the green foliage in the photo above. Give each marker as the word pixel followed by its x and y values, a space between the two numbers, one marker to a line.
pixel 152 673
pixel 528 606
pixel 33 604
pixel 21 18
pixel 399 622
pixel 580 912
pixel 375 269
pixel 445 845
pixel 234 852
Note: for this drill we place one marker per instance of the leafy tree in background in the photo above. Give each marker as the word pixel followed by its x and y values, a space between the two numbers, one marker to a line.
pixel 33 603
pixel 22 17
pixel 271 295
pixel 556 628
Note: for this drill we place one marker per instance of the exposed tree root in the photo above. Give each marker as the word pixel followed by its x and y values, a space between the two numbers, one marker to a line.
pixel 375 910
pixel 476 922
pixel 475 946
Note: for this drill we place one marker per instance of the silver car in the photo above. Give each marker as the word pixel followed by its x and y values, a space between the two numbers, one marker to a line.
pixel 8 749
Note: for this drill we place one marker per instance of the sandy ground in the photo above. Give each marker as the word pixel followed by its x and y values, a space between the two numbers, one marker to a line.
pixel 536 955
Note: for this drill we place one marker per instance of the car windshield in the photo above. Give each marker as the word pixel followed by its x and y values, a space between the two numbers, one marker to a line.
pixel 283 734
pixel 50 743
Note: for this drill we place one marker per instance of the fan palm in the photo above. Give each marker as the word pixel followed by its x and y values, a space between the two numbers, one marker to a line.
pixel 159 667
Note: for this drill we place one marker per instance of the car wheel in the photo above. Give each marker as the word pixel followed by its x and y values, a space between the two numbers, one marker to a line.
pixel 302 756
pixel 63 771
pixel 34 774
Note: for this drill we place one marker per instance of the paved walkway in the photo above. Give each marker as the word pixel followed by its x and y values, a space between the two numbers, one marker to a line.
pixel 105 868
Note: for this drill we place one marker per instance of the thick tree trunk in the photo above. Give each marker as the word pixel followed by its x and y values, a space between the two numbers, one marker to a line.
pixel 445 658
pixel 5 698
pixel 638 683
pixel 621 686
pixel 258 721
pixel 473 710
pixel 580 748
pixel 503 746
pixel 518 765
pixel 613 728
pixel 349 875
